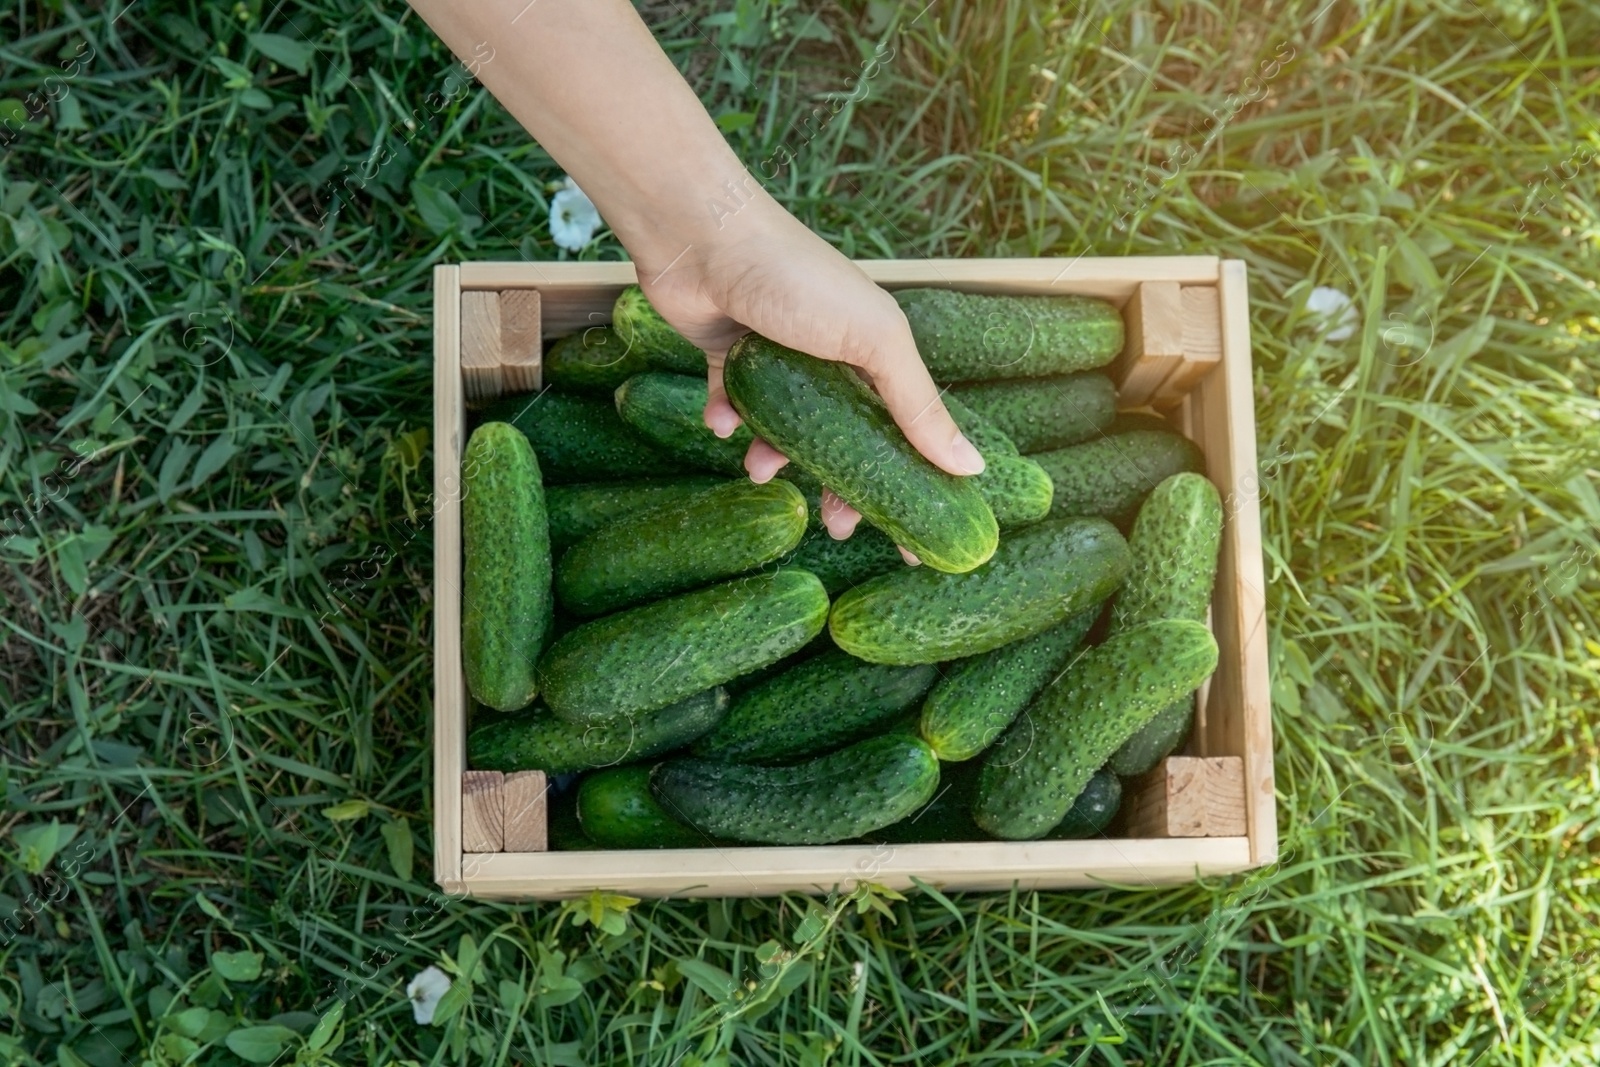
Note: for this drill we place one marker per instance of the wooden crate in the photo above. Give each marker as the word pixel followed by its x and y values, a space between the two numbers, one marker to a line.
pixel 1207 811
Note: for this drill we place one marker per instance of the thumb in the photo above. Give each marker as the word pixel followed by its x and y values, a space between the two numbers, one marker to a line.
pixel 913 401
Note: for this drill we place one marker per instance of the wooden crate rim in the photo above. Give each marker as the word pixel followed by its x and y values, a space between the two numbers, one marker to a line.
pixel 554 874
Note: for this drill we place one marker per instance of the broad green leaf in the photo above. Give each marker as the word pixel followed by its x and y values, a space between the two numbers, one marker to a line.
pixel 213 459
pixel 38 843
pixel 327 1030
pixel 397 838
pixel 260 1044
pixel 172 468
pixel 286 51
pixel 710 979
pixel 243 966
pixel 346 811
pixel 189 1022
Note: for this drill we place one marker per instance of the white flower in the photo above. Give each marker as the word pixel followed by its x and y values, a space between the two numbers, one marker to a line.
pixel 1332 306
pixel 425 992
pixel 573 217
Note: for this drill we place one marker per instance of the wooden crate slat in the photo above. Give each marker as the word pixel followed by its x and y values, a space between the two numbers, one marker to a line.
pixel 449 701
pixel 748 872
pixel 1238 720
pixel 1188 796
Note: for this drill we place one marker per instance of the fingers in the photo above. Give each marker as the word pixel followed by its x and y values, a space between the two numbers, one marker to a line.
pixel 838 517
pixel 912 398
pixel 763 461
pixel 720 415
pixel 909 558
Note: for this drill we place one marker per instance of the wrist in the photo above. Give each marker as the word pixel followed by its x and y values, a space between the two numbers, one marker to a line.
pixel 708 206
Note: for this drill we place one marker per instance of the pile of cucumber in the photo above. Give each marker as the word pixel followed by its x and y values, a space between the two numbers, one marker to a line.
pixel 696 662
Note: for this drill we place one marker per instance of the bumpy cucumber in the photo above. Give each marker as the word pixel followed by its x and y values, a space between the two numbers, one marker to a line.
pixel 977 697
pixel 642 327
pixel 827 420
pixel 717 533
pixel 669 409
pixel 1094 809
pixel 651 656
pixel 538 741
pixel 947 816
pixel 1175 539
pixel 593 360
pixel 1016 488
pixel 617 810
pixel 978 336
pixel 581 438
pixel 1174 542
pixel 1111 476
pixel 1044 413
pixel 1156 739
pixel 505 586
pixel 565 835
pixel 1129 421
pixel 830 798
pixel 840 565
pixel 1046 758
pixel 1040 576
pixel 576 511
pixel 818 705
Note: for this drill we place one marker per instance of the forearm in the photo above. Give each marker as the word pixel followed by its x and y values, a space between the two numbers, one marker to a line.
pixel 589 82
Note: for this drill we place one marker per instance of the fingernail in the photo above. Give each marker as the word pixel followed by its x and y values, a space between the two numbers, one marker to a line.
pixel 723 423
pixel 964 456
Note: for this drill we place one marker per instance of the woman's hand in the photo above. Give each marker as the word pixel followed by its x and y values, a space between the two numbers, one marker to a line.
pixel 765 271
pixel 589 81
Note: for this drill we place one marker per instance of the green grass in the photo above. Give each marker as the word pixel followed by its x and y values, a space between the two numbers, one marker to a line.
pixel 215 550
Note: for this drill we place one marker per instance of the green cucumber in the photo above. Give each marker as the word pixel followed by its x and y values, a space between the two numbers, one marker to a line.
pixel 719 532
pixel 1047 756
pixel 816 706
pixel 1040 576
pixel 965 337
pixel 564 833
pixel 1174 542
pixel 576 511
pixel 1094 809
pixel 1155 740
pixel 657 654
pixel 1016 488
pixel 643 328
pixel 581 438
pixel 983 435
pixel 594 360
pixel 505 583
pixel 840 565
pixel 539 741
pixel 947 816
pixel 830 798
pixel 1043 413
pixel 979 696
pixel 1176 536
pixel 669 409
pixel 1111 476
pixel 1128 421
pixel 821 415
pixel 617 810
